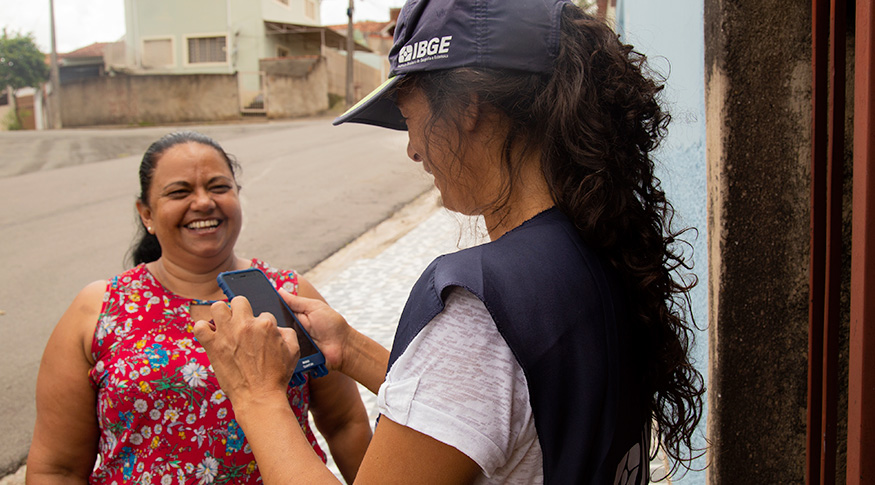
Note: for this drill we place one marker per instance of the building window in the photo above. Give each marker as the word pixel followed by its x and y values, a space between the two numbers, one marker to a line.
pixel 158 52
pixel 207 49
pixel 310 8
pixel 284 2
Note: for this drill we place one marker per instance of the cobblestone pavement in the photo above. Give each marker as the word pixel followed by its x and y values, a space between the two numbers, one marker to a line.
pixel 371 291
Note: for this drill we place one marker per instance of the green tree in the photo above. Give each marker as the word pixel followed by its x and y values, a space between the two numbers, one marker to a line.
pixel 21 64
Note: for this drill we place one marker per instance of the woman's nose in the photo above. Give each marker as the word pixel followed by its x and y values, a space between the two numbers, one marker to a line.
pixel 203 201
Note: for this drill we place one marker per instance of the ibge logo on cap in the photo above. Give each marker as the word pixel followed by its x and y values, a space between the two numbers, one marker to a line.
pixel 424 51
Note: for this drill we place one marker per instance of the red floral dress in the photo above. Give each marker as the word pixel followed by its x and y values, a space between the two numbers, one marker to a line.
pixel 163 418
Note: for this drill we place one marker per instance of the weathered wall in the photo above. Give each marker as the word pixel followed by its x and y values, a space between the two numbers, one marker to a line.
pixel 297 89
pixel 758 75
pixel 150 99
pixel 365 78
pixel 26 112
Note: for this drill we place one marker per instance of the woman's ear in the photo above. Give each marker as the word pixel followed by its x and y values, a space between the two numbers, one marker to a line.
pixel 145 215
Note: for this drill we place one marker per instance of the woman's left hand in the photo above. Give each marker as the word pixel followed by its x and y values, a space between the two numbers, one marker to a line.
pixel 253 358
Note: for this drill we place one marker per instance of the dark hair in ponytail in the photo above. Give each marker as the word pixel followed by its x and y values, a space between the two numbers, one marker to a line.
pixel 146 247
pixel 595 121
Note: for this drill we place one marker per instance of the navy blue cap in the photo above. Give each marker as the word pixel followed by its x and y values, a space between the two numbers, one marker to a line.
pixel 431 35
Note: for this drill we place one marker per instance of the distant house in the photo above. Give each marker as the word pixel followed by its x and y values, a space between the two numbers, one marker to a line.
pixel 204 60
pixel 206 36
pixel 377 35
pixel 83 63
pixel 240 37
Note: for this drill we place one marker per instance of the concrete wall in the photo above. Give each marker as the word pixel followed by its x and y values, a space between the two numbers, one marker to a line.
pixel 758 77
pixel 150 99
pixel 299 91
pixel 293 88
pixel 673 40
pixel 365 78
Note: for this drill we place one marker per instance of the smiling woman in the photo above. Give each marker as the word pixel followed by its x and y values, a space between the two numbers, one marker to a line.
pixel 191 206
pixel 139 390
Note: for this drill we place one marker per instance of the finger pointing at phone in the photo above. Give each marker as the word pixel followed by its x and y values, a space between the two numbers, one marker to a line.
pixel 251 356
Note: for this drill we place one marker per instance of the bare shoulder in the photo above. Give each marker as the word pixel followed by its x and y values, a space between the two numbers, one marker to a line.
pixel 89 301
pixel 93 293
pixel 77 324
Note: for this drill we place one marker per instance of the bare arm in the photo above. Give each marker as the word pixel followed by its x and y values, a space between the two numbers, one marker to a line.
pixel 66 434
pixel 254 360
pixel 338 412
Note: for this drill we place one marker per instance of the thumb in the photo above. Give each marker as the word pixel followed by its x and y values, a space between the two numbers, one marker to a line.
pixel 204 332
pixel 290 338
pixel 299 304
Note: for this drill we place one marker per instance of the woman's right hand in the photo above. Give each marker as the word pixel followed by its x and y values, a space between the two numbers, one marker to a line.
pixel 328 328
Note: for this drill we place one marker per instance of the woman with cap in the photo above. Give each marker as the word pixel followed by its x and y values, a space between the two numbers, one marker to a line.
pixel 548 354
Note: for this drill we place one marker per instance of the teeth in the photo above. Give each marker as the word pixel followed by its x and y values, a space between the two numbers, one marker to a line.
pixel 202 224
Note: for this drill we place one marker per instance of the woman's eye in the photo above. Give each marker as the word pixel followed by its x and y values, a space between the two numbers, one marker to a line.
pixel 177 193
pixel 220 189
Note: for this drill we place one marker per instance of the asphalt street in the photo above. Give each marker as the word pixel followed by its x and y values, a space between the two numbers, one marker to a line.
pixel 68 219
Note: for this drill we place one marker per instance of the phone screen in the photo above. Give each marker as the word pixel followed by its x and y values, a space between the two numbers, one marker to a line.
pixel 263 297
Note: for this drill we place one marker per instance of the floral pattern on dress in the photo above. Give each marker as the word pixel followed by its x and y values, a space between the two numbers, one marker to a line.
pixel 163 417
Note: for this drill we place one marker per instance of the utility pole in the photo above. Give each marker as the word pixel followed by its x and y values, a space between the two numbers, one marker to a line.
pixel 55 100
pixel 350 49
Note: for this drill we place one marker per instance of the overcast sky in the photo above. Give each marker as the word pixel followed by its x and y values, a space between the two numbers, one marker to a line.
pixel 79 23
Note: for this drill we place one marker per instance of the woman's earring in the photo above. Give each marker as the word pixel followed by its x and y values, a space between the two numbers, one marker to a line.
pixel 149 229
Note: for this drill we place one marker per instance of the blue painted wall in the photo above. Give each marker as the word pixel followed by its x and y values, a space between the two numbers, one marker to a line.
pixel 671 34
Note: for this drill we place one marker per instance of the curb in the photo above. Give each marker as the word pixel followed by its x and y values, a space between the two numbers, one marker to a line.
pixel 376 239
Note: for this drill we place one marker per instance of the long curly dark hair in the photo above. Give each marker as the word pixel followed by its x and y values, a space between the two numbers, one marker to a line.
pixel 595 120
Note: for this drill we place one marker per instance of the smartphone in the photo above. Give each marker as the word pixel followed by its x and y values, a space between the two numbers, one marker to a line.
pixel 263 297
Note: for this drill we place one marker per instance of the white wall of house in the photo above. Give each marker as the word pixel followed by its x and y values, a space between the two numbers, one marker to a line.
pixel 247 33
pixel 171 36
pixel 206 36
pixel 303 12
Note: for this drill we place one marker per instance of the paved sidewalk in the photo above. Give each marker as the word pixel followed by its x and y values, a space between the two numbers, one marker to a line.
pixel 369 281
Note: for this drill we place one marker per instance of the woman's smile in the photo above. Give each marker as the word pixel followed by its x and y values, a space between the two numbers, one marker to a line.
pixel 203 225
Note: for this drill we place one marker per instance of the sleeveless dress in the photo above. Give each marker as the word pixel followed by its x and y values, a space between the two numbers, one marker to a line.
pixel 162 416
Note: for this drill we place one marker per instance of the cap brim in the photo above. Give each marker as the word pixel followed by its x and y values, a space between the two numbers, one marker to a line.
pixel 377 108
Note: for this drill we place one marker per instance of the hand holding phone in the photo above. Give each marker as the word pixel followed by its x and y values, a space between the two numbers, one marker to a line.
pixel 263 297
pixel 325 326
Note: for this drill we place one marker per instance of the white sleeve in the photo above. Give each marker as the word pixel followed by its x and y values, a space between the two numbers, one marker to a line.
pixel 459 383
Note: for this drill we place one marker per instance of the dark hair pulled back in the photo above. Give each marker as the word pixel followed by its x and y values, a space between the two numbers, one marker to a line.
pixel 146 247
pixel 595 121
